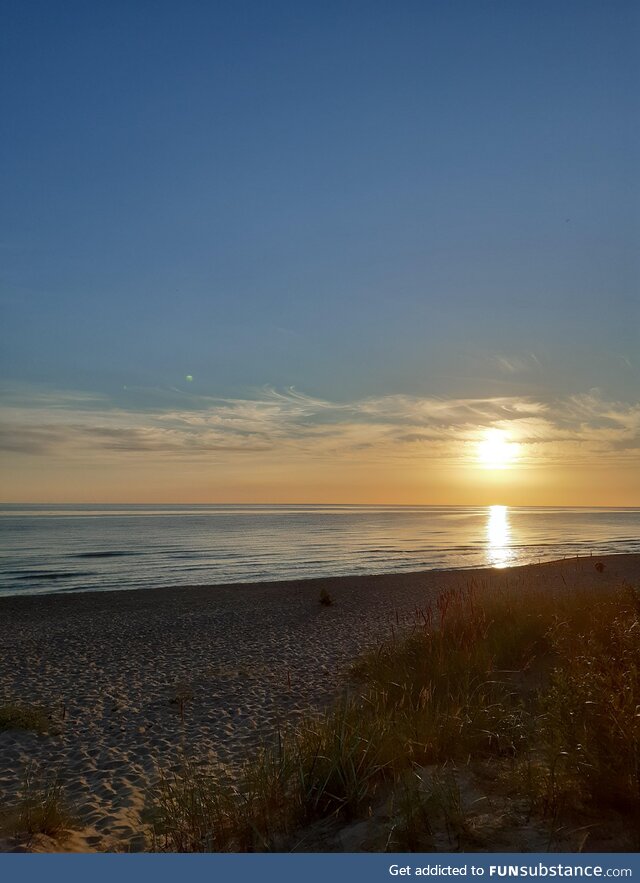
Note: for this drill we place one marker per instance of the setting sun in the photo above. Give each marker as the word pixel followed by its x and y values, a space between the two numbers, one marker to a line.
pixel 495 450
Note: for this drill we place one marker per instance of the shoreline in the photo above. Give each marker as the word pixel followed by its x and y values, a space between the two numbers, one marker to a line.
pixel 318 582
pixel 140 680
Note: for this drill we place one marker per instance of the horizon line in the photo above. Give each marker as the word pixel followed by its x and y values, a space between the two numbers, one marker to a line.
pixel 331 505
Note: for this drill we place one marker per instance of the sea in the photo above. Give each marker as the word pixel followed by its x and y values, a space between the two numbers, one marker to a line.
pixel 81 548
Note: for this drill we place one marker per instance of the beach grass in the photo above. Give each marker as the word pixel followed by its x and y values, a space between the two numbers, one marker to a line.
pixel 41 809
pixel 536 692
pixel 20 716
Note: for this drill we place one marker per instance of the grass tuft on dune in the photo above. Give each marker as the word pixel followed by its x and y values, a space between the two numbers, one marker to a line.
pixel 40 810
pixel 17 716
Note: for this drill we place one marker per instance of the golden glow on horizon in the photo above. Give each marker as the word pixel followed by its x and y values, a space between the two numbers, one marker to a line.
pixel 496 451
pixel 68 446
pixel 499 536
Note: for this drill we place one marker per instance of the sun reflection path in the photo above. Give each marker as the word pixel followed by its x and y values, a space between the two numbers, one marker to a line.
pixel 499 536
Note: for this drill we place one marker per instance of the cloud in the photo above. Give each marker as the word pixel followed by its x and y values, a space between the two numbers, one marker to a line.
pixel 292 425
pixel 517 364
pixel 29 439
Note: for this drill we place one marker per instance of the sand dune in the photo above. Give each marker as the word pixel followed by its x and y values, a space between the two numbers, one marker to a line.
pixel 137 681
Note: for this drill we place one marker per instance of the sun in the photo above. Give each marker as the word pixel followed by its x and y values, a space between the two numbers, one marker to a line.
pixel 495 450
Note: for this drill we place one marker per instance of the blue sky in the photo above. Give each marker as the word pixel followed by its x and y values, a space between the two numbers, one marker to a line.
pixel 358 200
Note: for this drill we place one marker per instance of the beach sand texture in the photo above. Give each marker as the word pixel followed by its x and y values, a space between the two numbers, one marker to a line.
pixel 140 680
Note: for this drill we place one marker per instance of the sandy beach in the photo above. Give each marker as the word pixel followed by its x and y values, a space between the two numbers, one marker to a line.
pixel 135 681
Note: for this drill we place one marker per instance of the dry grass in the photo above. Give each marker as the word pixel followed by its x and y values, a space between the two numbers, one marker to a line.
pixel 40 809
pixel 545 682
pixel 590 727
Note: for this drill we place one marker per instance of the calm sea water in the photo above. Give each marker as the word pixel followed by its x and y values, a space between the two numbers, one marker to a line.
pixel 89 548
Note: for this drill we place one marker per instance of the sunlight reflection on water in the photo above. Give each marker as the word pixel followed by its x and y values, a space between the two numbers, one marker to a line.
pixel 499 548
pixel 73 548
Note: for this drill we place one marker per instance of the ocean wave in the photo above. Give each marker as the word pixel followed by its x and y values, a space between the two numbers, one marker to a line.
pixel 107 554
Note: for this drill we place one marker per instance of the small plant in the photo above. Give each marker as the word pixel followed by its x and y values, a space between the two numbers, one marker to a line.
pixel 182 693
pixel 41 808
pixel 599 566
pixel 326 600
pixel 15 716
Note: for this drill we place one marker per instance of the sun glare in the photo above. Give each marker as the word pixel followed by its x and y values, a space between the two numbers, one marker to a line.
pixel 495 450
pixel 499 536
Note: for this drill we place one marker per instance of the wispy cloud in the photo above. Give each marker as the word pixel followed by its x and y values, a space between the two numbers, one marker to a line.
pixel 521 364
pixel 580 429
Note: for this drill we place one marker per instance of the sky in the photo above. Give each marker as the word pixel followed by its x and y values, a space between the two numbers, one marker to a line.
pixel 320 252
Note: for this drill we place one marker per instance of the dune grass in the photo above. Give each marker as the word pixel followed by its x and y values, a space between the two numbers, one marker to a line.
pixel 544 684
pixel 19 716
pixel 40 809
